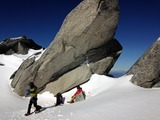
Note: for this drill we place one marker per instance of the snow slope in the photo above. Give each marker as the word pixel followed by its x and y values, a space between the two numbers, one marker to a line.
pixel 107 99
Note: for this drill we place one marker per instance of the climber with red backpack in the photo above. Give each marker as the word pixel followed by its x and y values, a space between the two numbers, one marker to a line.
pixel 78 96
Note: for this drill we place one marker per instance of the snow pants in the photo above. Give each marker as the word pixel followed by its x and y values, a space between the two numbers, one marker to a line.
pixel 33 101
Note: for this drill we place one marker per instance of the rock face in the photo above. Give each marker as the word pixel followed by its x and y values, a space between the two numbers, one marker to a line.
pixel 146 70
pixel 99 61
pixel 19 45
pixel 84 45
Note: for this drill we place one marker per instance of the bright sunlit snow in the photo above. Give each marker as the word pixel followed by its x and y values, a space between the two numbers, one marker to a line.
pixel 107 99
pixel 16 38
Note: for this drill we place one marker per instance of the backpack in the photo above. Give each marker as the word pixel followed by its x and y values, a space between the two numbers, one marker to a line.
pixel 60 99
pixel 80 97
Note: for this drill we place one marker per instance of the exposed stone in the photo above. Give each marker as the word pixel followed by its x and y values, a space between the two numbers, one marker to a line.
pixel 69 80
pixel 86 35
pixel 99 61
pixel 146 70
pixel 19 45
pixel 1 64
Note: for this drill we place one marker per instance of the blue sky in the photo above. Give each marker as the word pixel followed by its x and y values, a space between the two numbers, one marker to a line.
pixel 40 20
pixel 138 29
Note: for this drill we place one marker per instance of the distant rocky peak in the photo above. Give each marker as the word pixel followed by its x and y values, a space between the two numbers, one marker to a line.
pixel 16 38
pixel 19 45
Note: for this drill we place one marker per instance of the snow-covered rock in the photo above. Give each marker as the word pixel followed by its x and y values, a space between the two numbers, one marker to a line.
pixel 19 45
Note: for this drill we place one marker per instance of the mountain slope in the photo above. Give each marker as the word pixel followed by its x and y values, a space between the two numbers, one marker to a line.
pixel 107 98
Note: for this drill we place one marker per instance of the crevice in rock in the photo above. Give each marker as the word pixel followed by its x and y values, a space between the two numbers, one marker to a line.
pixel 154 81
pixel 102 5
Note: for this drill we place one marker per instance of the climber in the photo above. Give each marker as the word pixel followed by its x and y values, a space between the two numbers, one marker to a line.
pixel 78 96
pixel 32 92
pixel 60 99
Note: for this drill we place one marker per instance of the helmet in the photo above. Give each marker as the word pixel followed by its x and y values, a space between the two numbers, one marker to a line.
pixel 31 84
pixel 78 87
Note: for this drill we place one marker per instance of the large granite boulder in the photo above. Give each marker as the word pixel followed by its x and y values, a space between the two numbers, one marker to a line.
pixel 146 71
pixel 99 61
pixel 19 45
pixel 86 36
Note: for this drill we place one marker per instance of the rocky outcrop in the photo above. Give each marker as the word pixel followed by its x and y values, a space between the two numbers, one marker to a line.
pixel 19 45
pixel 1 64
pixel 85 38
pixel 146 70
pixel 99 61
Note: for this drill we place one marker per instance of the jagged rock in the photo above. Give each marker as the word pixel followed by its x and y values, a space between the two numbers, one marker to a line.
pixel 146 70
pixel 1 64
pixel 69 80
pixel 99 61
pixel 86 35
pixel 19 45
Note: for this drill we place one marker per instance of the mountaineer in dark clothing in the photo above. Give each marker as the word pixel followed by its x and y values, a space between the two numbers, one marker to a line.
pixel 60 99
